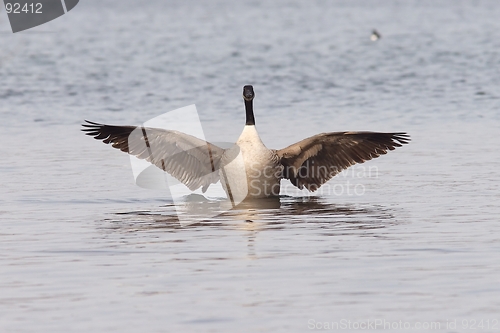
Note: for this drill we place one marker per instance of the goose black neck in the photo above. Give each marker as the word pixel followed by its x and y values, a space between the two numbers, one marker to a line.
pixel 249 110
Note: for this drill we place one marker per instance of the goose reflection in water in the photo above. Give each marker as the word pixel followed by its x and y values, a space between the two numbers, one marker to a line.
pixel 289 218
pixel 263 214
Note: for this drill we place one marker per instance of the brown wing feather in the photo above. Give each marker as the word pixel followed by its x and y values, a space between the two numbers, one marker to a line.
pixel 190 160
pixel 313 161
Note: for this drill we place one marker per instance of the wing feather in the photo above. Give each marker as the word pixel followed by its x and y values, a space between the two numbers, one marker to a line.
pixel 313 161
pixel 190 160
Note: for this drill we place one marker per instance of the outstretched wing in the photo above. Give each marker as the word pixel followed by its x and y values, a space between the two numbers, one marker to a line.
pixel 313 161
pixel 190 160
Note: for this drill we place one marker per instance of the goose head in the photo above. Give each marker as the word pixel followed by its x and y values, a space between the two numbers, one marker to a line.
pixel 248 96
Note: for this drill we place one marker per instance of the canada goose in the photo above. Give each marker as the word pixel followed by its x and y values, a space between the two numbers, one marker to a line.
pixel 375 35
pixel 258 170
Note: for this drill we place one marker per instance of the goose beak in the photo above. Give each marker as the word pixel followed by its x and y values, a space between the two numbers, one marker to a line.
pixel 248 93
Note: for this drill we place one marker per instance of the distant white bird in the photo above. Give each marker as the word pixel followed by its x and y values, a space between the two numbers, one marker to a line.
pixel 375 35
pixel 197 163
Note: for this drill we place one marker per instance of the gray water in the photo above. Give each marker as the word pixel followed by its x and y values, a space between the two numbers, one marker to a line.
pixel 83 249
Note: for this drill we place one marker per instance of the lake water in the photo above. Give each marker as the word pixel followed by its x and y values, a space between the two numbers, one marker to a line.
pixel 83 249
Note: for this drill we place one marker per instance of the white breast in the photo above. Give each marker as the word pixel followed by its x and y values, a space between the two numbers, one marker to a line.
pixel 250 169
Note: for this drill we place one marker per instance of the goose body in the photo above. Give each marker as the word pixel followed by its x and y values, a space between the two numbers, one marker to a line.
pixel 248 169
pixel 258 172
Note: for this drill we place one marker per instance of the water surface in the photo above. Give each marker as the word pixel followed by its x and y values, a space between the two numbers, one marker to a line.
pixel 84 249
